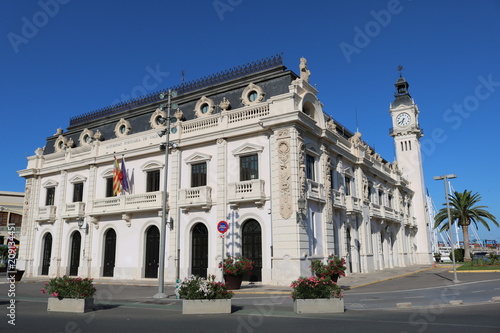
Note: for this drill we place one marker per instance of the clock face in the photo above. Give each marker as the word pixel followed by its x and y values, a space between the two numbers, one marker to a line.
pixel 403 119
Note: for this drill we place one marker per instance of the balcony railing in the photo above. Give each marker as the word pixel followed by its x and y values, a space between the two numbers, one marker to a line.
pixel 46 213
pixel 246 191
pixel 73 210
pixel 338 199
pixel 127 203
pixel 315 191
pixel 352 204
pixel 194 197
pixel 376 210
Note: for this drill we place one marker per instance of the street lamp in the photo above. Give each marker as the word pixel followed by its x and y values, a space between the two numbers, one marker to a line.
pixel 166 121
pixel 445 178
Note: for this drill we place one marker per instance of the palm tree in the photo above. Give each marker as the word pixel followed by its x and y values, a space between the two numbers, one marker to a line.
pixel 464 210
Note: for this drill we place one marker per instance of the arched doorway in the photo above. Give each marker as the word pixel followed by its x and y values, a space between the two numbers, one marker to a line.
pixel 199 250
pixel 252 249
pixel 46 254
pixel 152 252
pixel 74 263
pixel 109 253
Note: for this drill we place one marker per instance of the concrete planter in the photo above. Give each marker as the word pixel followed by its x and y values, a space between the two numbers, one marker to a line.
pixel 205 306
pixel 78 305
pixel 320 305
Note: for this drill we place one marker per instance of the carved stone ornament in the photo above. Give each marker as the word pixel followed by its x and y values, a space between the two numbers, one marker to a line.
pixel 95 221
pixel 252 94
pixel 204 107
pixel 122 128
pixel 127 218
pixel 304 71
pixel 98 135
pixel 60 144
pixel 328 183
pixel 26 204
pixel 70 143
pixel 224 104
pixel 331 125
pixel 179 115
pixel 285 182
pixel 302 169
pixel 154 120
pixel 86 137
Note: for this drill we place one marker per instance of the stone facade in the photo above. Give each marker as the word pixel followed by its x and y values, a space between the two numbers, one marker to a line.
pixel 247 146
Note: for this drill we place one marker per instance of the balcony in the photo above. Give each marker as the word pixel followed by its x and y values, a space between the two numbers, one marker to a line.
pixel 46 214
pixel 246 191
pixel 127 203
pixel 353 204
pixel 338 199
pixel 195 197
pixel 73 210
pixel 376 210
pixel 390 214
pixel 315 191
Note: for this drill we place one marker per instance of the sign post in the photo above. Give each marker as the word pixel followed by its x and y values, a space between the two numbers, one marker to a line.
pixel 222 227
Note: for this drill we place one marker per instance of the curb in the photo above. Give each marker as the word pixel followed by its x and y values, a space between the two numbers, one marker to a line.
pixel 478 271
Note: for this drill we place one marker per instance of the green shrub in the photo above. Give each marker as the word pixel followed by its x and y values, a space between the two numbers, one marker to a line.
pixel 459 255
pixel 68 287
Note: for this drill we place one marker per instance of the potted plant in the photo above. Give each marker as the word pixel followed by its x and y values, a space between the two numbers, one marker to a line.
pixel 234 268
pixel 200 296
pixel 317 295
pixel 71 294
pixel 334 268
pixel 437 257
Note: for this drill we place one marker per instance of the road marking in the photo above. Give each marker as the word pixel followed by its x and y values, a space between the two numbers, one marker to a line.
pixel 415 297
pixel 477 291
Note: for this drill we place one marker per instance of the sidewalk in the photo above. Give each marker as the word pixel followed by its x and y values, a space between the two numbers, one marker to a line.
pixel 143 290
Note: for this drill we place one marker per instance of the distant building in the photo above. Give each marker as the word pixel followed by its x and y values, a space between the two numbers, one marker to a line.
pixel 11 210
pixel 250 146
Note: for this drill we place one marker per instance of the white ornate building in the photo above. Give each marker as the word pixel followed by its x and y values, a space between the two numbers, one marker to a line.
pixel 252 144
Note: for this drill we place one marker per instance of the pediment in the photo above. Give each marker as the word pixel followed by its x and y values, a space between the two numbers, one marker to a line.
pixel 50 183
pixel 151 165
pixel 197 157
pixel 247 148
pixel 77 179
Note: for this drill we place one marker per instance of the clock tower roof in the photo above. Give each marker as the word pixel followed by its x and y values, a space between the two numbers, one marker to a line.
pixel 402 95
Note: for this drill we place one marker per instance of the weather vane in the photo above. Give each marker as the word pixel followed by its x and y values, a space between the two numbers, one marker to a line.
pixel 400 70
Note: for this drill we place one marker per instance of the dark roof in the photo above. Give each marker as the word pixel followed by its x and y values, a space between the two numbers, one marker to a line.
pixel 183 88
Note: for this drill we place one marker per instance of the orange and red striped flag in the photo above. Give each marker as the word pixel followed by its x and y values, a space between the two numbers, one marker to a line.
pixel 117 178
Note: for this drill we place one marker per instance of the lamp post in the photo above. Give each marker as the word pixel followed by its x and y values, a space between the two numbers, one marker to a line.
pixel 445 179
pixel 163 231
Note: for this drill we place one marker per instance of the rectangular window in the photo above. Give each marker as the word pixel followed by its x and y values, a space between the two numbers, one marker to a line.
pixel 153 181
pixel 78 192
pixel 347 188
pixel 380 198
pixel 199 174
pixel 49 199
pixel 109 187
pixel 249 167
pixel 390 201
pixel 310 167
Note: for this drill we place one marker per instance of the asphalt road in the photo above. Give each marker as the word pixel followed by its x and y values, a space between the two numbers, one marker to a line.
pixel 370 308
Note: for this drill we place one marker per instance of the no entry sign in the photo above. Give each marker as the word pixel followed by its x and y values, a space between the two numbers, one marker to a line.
pixel 222 227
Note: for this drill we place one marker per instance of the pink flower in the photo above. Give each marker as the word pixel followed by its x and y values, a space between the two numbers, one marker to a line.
pixel 55 294
pixel 43 291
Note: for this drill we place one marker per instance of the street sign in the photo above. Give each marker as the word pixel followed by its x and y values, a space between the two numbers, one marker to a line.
pixel 222 227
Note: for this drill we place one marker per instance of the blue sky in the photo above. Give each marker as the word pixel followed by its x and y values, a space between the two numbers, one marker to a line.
pixel 62 58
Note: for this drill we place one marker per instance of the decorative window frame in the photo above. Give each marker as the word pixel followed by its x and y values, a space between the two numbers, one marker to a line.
pixel 154 117
pixel 50 183
pixel 199 105
pixel 86 133
pixel 122 123
pixel 77 179
pixel 61 143
pixel 151 165
pixel 247 149
pixel 246 94
pixel 198 158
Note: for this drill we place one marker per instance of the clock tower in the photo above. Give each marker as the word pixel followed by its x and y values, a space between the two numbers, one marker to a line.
pixel 407 133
